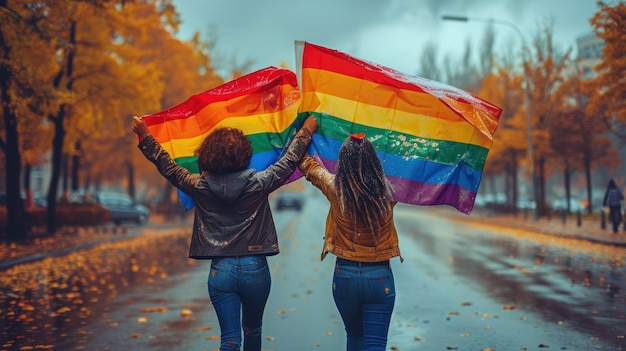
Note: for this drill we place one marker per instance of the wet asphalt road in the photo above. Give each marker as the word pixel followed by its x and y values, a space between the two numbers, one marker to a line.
pixel 460 287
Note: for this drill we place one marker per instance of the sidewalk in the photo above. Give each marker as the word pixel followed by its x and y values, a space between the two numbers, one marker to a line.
pixel 70 239
pixel 589 229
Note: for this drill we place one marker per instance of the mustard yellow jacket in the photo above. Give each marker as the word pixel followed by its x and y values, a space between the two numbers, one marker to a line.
pixel 342 238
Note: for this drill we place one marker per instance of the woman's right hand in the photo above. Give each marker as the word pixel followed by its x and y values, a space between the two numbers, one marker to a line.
pixel 310 124
pixel 139 127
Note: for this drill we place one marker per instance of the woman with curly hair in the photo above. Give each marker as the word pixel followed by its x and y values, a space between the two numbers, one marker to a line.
pixel 361 233
pixel 233 224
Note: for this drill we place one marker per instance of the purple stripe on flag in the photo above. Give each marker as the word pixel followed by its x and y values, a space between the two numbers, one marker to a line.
pixel 433 194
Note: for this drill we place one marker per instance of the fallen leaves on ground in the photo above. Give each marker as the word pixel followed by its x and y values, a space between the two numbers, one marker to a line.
pixel 62 290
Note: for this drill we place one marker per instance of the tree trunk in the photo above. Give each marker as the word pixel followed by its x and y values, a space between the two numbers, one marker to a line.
pixel 16 229
pixel 515 181
pixel 59 132
pixel 28 191
pixel 514 190
pixel 65 177
pixel 541 181
pixel 57 155
pixel 75 168
pixel 568 194
pixel 508 185
pixel 587 161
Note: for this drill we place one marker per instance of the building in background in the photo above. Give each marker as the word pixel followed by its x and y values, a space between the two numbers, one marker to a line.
pixel 589 53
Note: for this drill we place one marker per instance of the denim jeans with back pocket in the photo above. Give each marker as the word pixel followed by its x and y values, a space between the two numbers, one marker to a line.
pixel 365 294
pixel 239 288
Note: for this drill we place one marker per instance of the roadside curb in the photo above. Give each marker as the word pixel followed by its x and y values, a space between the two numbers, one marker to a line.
pixel 86 238
pixel 590 232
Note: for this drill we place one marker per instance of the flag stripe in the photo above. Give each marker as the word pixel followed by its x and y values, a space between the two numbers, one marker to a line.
pixel 410 123
pixel 434 194
pixel 263 91
pixel 404 100
pixel 196 126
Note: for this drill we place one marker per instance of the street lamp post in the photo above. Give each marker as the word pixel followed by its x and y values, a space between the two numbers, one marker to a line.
pixel 531 160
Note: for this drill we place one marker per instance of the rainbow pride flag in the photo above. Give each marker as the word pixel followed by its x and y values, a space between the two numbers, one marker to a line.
pixel 263 104
pixel 432 139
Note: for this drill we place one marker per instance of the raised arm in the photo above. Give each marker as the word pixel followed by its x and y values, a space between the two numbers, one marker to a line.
pixel 154 152
pixel 276 175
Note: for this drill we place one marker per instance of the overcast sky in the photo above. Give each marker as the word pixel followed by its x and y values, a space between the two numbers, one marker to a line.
pixel 388 32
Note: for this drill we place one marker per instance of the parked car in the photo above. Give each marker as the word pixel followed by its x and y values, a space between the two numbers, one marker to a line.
pixel 123 208
pixel 289 200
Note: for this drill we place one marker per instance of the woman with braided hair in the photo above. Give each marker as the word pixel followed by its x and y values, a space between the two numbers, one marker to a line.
pixel 361 233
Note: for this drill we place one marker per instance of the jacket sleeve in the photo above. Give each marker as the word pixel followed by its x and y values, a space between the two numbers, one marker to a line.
pixel 317 175
pixel 277 174
pixel 175 174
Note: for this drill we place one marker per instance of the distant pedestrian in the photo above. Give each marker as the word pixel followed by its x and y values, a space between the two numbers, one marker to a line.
pixel 233 224
pixel 613 199
pixel 360 232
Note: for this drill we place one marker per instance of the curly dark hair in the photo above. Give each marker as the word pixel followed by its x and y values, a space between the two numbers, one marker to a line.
pixel 224 150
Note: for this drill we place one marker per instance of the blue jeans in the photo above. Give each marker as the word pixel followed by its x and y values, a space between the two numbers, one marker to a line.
pixel 615 216
pixel 365 295
pixel 239 288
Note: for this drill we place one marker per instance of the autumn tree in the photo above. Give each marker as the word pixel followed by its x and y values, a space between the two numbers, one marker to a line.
pixel 27 62
pixel 503 87
pixel 76 64
pixel 100 72
pixel 579 137
pixel 610 85
pixel 545 73
pixel 138 88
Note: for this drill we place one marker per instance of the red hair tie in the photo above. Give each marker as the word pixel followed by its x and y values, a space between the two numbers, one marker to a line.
pixel 359 136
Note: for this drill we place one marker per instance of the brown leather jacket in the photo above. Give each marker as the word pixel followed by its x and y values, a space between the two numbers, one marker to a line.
pixel 341 238
pixel 232 213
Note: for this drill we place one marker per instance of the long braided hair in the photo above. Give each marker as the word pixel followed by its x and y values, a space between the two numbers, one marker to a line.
pixel 365 194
